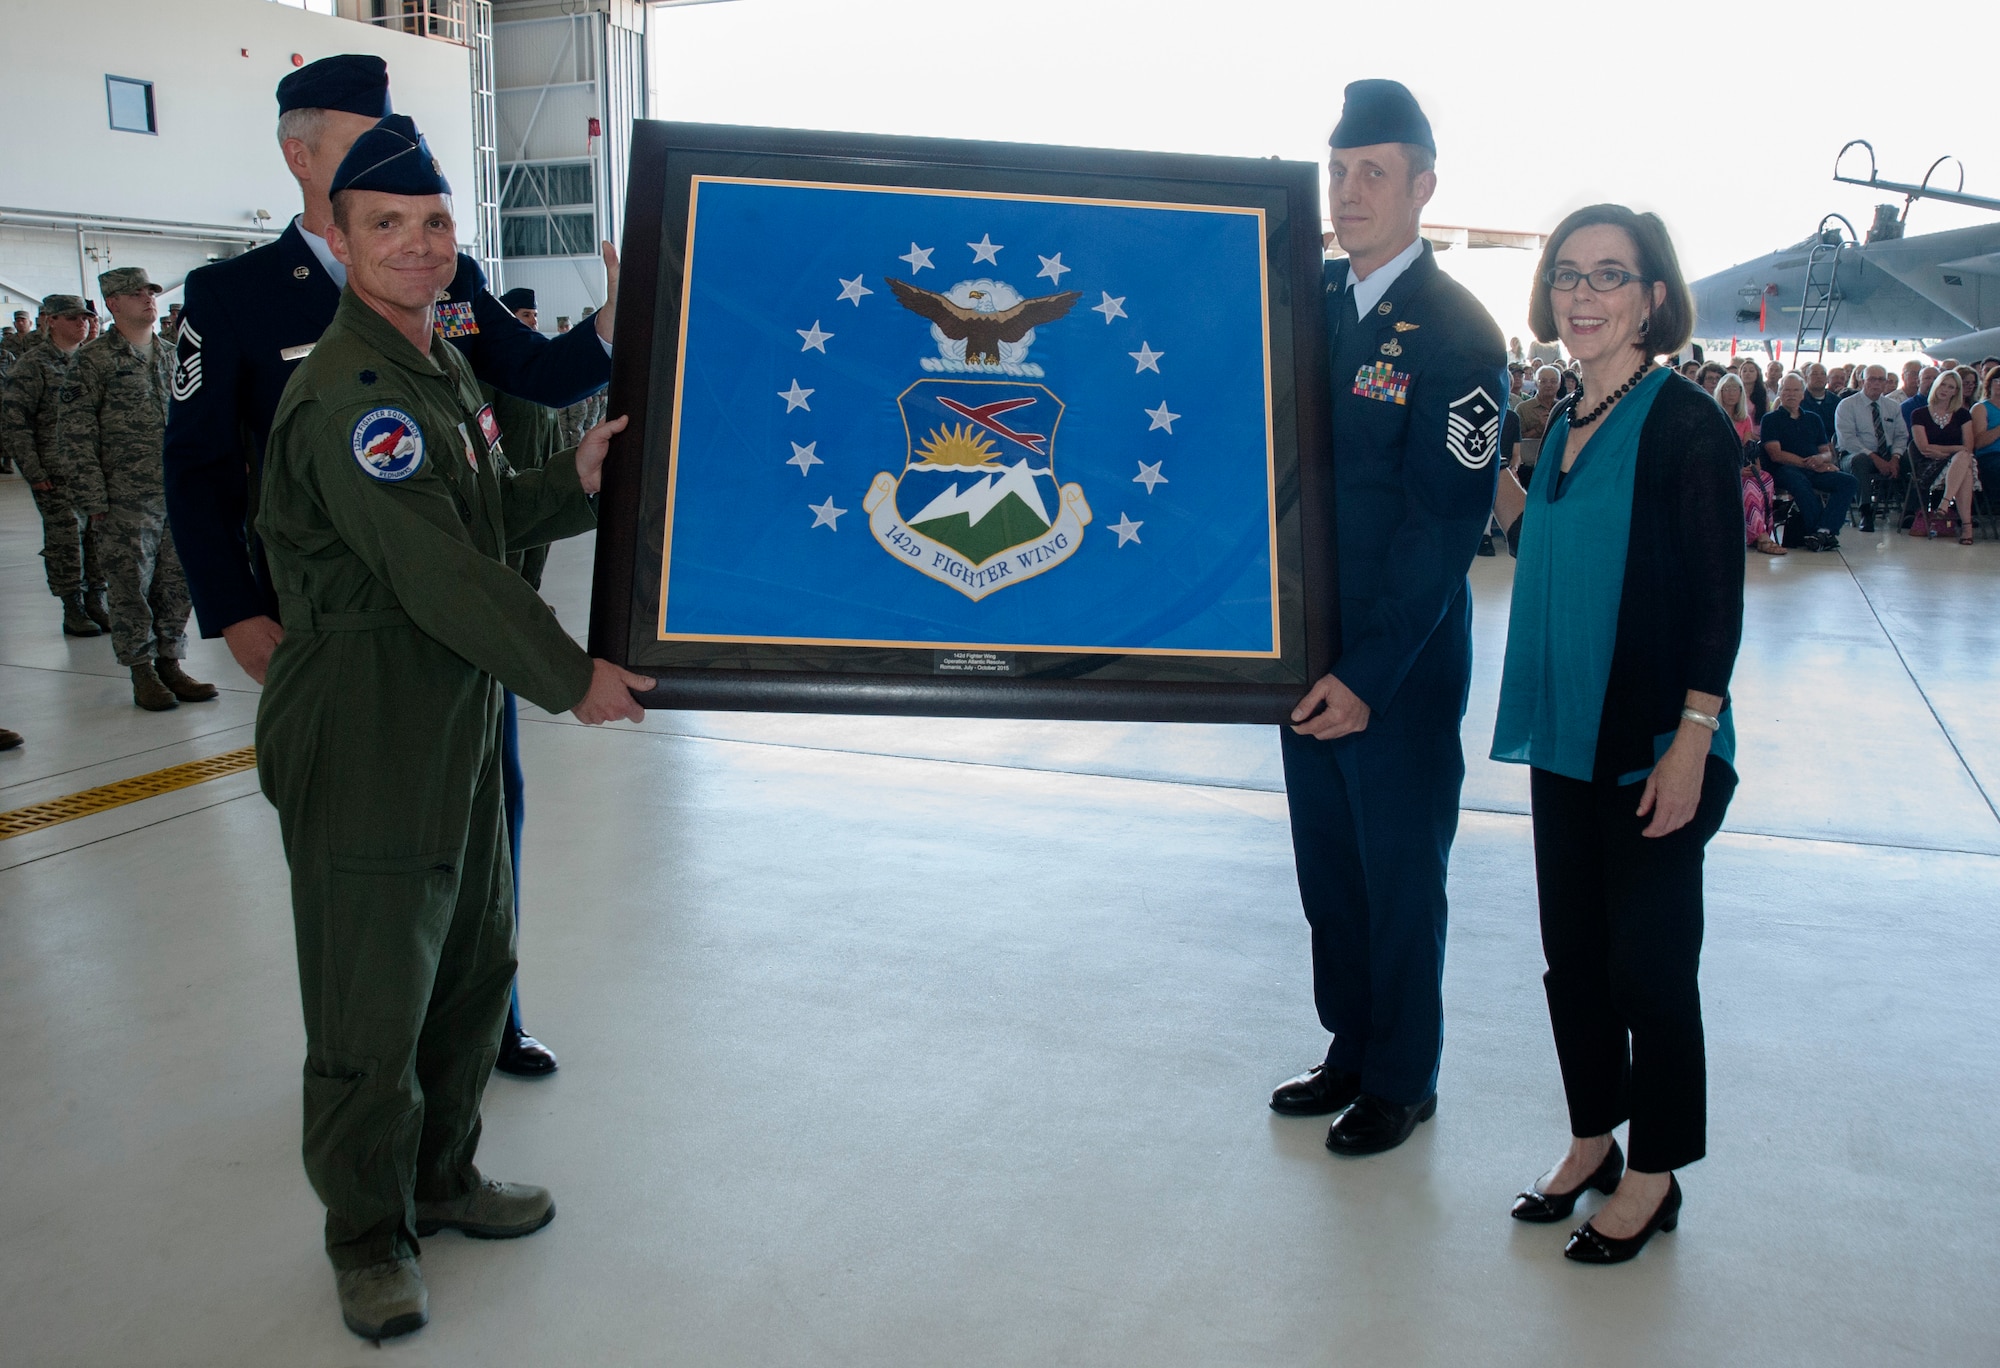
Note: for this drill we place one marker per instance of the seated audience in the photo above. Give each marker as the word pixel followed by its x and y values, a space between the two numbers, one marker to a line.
pixel 1872 439
pixel 1799 457
pixel 1773 373
pixel 1758 491
pixel 1941 431
pixel 1986 432
pixel 1926 378
pixel 1711 371
pixel 1821 397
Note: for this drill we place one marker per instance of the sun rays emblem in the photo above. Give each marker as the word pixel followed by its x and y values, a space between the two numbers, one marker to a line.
pixel 977 506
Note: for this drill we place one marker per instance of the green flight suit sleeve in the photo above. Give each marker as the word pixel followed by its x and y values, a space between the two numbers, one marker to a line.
pixel 20 403
pixel 546 505
pixel 410 535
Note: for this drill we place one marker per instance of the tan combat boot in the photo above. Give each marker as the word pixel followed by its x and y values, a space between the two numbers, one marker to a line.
pixel 492 1211
pixel 77 622
pixel 96 608
pixel 187 690
pixel 384 1300
pixel 147 690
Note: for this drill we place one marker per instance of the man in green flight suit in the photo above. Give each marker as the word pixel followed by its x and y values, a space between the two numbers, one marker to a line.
pixel 388 521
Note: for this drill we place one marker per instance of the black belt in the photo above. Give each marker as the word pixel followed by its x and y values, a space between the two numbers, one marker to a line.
pixel 300 616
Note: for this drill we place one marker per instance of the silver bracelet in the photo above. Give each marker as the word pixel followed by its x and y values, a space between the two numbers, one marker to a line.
pixel 1702 719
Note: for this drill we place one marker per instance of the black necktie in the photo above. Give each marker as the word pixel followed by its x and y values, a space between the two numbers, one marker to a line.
pixel 1881 437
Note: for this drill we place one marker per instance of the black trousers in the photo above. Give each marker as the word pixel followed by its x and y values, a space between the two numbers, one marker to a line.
pixel 1621 930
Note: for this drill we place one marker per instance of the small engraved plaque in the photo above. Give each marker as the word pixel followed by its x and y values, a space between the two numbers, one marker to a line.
pixel 973 663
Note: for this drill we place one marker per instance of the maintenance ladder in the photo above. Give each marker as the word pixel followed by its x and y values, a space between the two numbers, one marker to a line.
pixel 1822 292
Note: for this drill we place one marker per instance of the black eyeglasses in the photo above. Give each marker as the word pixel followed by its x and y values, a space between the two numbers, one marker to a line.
pixel 1603 280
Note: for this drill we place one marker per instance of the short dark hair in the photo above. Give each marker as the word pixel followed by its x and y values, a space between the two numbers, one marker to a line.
pixel 1672 319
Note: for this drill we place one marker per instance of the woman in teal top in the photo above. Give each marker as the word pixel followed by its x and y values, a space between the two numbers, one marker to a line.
pixel 1627 612
pixel 1986 432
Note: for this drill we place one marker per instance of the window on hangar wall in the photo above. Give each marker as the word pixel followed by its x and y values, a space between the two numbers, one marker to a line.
pixel 131 102
pixel 548 210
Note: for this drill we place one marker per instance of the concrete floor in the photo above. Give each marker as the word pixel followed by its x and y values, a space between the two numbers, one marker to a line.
pixel 896 1042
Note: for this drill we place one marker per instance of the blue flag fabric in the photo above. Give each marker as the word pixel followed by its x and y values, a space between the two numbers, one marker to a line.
pixel 937 418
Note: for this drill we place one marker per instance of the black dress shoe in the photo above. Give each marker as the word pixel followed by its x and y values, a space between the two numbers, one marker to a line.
pixel 1544 1208
pixel 523 1056
pixel 1319 1091
pixel 1372 1125
pixel 1590 1245
pixel 1486 545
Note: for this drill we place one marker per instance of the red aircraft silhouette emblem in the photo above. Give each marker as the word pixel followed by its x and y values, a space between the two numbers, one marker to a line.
pixel 988 416
pixel 386 449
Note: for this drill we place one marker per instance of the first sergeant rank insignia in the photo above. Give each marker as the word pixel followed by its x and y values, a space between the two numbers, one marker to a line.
pixel 1472 428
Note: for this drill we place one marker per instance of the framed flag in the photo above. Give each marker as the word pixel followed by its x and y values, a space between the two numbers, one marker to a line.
pixel 966 428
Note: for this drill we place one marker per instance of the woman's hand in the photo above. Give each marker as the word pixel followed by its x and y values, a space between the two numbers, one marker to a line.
pixel 1673 789
pixel 590 453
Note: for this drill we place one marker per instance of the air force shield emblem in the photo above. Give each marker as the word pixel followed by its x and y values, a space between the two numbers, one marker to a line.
pixel 977 505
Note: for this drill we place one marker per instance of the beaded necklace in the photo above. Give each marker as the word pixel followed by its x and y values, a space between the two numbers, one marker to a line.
pixel 1612 398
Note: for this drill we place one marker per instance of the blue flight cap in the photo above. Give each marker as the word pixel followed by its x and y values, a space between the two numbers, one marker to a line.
pixel 391 157
pixel 517 299
pixel 353 82
pixel 1381 112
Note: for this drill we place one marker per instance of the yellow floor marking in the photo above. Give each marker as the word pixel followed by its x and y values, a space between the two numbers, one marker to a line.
pixel 35 816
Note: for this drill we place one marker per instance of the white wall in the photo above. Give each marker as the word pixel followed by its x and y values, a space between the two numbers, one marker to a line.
pixel 215 159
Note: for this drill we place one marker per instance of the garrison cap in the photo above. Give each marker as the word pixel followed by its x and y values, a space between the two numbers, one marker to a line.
pixel 518 298
pixel 125 280
pixel 353 82
pixel 1381 112
pixel 393 158
pixel 56 306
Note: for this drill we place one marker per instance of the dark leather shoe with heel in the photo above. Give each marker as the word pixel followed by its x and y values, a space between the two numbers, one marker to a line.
pixel 1372 1125
pixel 523 1056
pixel 1592 1246
pixel 1319 1091
pixel 1545 1208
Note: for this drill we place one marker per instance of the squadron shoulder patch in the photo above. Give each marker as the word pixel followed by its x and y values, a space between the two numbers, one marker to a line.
pixel 1472 428
pixel 388 445
pixel 187 362
pixel 456 320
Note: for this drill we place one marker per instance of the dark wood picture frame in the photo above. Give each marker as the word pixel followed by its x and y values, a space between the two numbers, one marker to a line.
pixel 846 679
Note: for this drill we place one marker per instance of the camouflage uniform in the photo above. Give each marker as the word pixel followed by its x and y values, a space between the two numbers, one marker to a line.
pixel 578 419
pixel 34 408
pixel 118 430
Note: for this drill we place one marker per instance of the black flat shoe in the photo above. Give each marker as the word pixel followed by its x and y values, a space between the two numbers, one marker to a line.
pixel 1372 1125
pixel 1545 1208
pixel 1590 1245
pixel 525 1057
pixel 1319 1091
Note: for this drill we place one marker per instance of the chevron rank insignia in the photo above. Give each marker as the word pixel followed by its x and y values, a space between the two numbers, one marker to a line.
pixel 1472 428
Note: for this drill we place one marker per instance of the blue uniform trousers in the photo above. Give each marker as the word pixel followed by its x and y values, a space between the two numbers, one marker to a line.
pixel 516 805
pixel 1373 819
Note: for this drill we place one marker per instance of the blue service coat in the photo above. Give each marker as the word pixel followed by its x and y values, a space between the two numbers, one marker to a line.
pixel 246 323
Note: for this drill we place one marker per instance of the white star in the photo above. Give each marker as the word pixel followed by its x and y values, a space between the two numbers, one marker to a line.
pixel 815 339
pixel 1052 267
pixel 1110 308
pixel 803 458
pixel 795 398
pixel 1149 475
pixel 1147 358
pixel 824 514
pixel 1161 418
pixel 984 250
pixel 918 257
pixel 852 290
pixel 1126 529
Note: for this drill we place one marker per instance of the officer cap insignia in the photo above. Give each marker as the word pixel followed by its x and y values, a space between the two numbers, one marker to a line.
pixel 1385 308
pixel 301 272
pixel 366 377
pixel 1472 428
pixel 351 82
pixel 187 361
pixel 388 445
pixel 1404 325
pixel 1392 348
pixel 391 158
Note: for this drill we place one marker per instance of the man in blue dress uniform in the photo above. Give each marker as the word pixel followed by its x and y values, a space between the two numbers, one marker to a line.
pixel 247 324
pixel 1373 765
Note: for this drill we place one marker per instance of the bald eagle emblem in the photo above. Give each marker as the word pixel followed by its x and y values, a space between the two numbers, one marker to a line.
pixel 983 324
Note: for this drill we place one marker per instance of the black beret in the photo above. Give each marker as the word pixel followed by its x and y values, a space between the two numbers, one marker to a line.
pixel 391 157
pixel 353 82
pixel 518 298
pixel 1381 112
